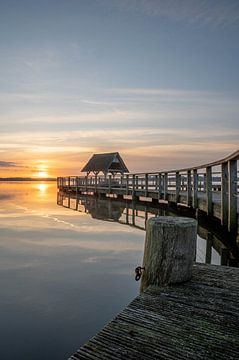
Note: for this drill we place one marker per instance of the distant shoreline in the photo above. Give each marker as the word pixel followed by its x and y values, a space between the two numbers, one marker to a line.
pixel 26 179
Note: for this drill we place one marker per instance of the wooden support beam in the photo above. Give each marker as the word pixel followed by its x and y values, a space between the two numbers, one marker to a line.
pixel 209 243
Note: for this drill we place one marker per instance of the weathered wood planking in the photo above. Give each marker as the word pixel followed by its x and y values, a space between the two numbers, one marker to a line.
pixel 195 320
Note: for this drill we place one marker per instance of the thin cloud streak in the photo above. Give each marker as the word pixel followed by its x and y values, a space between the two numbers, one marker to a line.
pixel 201 13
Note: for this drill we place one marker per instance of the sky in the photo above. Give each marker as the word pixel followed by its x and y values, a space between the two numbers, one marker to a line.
pixel 155 80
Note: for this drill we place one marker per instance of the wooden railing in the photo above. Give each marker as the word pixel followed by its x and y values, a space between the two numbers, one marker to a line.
pixel 212 188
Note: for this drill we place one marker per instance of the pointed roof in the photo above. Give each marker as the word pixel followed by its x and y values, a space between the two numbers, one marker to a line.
pixel 108 162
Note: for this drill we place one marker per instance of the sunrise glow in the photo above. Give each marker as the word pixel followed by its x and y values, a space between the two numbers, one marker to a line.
pixel 157 81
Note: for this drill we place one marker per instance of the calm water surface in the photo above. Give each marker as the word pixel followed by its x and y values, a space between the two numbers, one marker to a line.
pixel 63 274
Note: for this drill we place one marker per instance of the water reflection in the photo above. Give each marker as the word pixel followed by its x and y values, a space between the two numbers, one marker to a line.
pixel 64 276
pixel 212 246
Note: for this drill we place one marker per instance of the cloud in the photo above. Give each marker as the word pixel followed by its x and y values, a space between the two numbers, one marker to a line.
pixel 214 13
pixel 7 164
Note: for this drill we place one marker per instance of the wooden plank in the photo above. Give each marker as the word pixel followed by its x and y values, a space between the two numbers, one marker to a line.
pixel 198 319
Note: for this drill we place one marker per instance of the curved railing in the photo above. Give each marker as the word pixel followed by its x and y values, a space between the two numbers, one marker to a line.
pixel 212 187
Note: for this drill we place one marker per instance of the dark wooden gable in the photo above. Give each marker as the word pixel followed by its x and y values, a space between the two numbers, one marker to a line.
pixel 109 162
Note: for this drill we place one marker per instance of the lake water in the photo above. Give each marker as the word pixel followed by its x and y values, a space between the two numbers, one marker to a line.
pixel 64 274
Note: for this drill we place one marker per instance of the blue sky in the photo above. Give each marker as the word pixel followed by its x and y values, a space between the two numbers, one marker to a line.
pixel 156 80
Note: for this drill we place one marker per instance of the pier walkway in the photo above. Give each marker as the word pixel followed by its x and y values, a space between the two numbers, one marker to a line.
pixel 198 319
pixel 211 188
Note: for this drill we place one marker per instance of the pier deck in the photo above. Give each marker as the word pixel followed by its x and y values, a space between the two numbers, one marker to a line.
pixel 212 188
pixel 195 320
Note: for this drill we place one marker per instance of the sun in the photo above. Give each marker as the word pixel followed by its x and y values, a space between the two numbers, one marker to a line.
pixel 42 174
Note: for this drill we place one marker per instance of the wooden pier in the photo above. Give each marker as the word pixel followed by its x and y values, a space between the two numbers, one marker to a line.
pixel 198 319
pixel 211 188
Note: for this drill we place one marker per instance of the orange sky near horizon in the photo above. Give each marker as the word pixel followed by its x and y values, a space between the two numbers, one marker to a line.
pixel 164 158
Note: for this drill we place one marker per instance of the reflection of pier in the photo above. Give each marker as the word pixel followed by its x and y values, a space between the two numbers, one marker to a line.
pixel 136 214
pixel 211 188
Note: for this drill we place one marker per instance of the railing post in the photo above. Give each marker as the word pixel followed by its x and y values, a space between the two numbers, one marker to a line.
pixel 146 184
pixel 133 187
pixel 86 183
pixel 177 187
pixel 109 184
pixel 69 181
pixel 209 189
pixel 156 182
pixel 189 188
pixel 232 215
pixel 195 188
pixel 76 186
pixel 127 184
pixel 96 178
pixel 165 186
pixel 224 194
pixel 136 182
pixel 159 186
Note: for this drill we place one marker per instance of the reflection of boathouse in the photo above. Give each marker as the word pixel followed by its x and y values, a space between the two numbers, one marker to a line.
pixel 105 163
pixel 103 210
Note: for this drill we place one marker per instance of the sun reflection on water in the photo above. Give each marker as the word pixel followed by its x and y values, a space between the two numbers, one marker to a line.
pixel 42 188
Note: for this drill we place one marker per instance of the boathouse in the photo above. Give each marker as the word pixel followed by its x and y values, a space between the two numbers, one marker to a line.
pixel 106 163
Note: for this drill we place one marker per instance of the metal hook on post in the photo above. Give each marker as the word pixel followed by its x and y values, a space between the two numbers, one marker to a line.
pixel 138 272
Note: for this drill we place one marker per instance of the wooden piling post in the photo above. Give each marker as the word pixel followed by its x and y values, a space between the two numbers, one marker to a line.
pixel 169 252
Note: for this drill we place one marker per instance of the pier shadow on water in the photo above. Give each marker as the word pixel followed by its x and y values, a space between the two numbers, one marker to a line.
pixel 214 246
